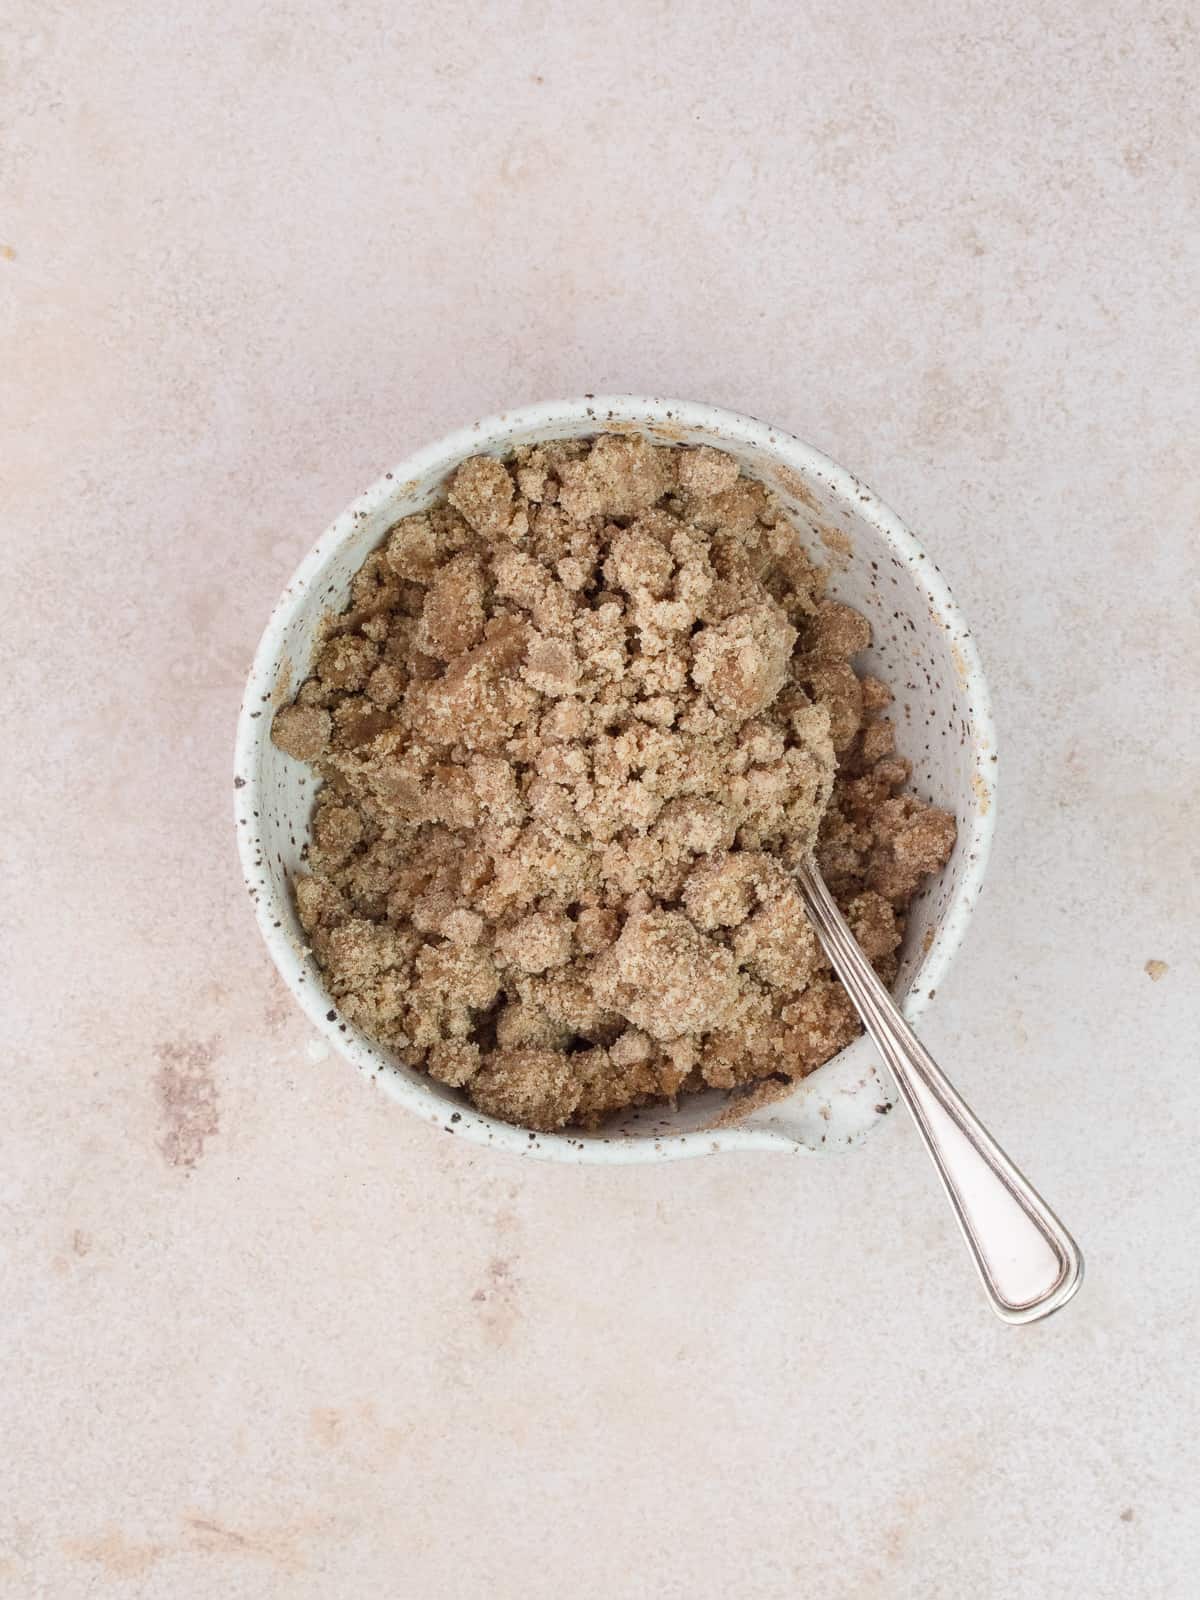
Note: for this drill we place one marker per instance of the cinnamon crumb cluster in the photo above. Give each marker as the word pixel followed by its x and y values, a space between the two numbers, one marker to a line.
pixel 576 726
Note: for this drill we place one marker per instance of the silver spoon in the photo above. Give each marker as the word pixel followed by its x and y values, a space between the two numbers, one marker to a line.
pixel 1029 1263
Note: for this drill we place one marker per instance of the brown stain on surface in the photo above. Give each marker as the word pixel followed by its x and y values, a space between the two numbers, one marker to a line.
pixel 326 1425
pixel 895 1533
pixel 7 253
pixel 1155 970
pixel 81 1242
pixel 280 1008
pixel 122 1557
pixel 187 1098
pixel 963 412
pixel 357 1434
pixel 497 1300
pixel 114 1553
pixel 948 1478
pixel 279 1543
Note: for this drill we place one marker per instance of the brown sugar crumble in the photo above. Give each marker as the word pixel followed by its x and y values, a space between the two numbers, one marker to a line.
pixel 575 727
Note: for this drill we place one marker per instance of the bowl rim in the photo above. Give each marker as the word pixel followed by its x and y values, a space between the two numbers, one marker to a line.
pixel 665 415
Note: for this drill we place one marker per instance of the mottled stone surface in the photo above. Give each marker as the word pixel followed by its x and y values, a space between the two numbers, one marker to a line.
pixel 260 1333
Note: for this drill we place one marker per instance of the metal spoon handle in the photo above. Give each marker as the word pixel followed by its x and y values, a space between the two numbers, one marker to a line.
pixel 1029 1263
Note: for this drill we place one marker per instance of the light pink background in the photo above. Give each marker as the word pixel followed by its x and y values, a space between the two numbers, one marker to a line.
pixel 262 1334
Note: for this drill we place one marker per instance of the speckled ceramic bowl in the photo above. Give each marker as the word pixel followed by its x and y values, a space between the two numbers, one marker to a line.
pixel 922 649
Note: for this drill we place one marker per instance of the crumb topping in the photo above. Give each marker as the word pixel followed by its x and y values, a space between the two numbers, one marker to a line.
pixel 576 725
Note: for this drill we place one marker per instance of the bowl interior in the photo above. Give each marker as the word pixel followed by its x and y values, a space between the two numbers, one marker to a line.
pixel 920 648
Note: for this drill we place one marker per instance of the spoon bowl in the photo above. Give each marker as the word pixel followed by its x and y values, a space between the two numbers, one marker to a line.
pixel 921 647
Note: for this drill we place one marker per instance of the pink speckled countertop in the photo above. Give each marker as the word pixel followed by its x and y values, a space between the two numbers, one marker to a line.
pixel 263 1335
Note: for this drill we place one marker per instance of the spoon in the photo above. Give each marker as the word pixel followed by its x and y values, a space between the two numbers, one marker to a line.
pixel 1029 1263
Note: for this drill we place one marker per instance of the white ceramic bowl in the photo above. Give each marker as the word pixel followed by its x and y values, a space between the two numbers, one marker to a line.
pixel 922 648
